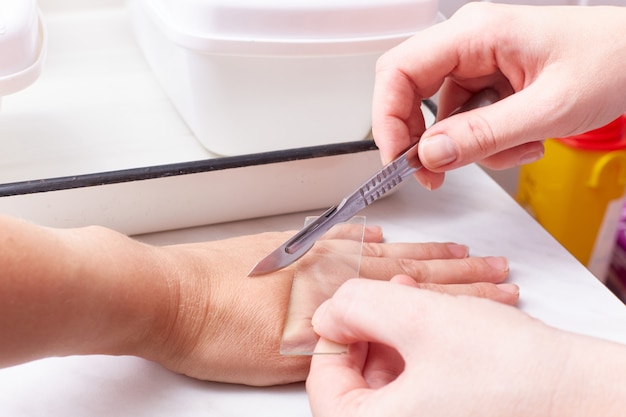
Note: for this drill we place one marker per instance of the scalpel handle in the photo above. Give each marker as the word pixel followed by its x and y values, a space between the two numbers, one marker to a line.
pixel 406 164
pixel 371 190
pixel 389 177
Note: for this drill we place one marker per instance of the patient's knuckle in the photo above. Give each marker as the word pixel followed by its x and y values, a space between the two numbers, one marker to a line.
pixel 473 267
pixel 422 272
pixel 481 289
pixel 372 249
pixel 322 249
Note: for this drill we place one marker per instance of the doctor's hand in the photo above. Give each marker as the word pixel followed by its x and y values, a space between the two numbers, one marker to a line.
pixel 227 327
pixel 416 352
pixel 559 71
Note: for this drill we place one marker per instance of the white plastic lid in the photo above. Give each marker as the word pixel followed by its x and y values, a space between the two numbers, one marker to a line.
pixel 22 44
pixel 271 26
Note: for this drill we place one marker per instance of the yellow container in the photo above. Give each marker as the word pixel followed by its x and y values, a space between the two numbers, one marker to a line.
pixel 576 192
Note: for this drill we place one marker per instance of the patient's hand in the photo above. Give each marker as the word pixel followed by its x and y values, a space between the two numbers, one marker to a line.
pixel 225 326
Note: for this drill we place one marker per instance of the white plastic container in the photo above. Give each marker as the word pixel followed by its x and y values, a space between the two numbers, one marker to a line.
pixel 22 45
pixel 252 76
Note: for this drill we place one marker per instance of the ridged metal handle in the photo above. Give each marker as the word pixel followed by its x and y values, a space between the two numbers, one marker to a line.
pixel 390 176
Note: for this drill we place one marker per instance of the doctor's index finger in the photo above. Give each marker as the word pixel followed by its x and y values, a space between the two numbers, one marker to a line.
pixel 462 48
pixel 405 75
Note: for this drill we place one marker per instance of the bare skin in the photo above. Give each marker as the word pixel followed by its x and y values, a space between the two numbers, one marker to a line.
pixel 188 307
pixel 558 70
pixel 423 353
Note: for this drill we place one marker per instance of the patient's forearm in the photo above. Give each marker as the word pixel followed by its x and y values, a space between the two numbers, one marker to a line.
pixel 77 291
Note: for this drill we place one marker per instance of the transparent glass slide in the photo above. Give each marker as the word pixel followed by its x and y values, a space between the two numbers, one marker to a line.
pixel 334 259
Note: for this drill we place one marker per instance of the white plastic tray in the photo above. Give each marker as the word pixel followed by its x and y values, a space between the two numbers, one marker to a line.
pixel 96 141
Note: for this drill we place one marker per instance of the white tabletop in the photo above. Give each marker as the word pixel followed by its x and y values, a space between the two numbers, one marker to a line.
pixel 470 209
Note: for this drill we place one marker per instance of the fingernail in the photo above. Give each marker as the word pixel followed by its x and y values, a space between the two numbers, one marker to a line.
pixel 530 157
pixel 319 313
pixel 425 183
pixel 498 262
pixel 458 251
pixel 375 230
pixel 438 150
pixel 325 346
pixel 510 288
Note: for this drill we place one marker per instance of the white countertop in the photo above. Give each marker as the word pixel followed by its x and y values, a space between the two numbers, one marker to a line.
pixel 470 209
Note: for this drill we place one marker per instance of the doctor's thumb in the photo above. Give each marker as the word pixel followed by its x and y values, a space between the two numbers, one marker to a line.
pixel 498 135
pixel 437 151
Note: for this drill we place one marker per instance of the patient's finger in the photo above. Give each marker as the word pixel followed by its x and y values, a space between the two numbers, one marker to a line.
pixel 438 271
pixel 502 293
pixel 417 251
